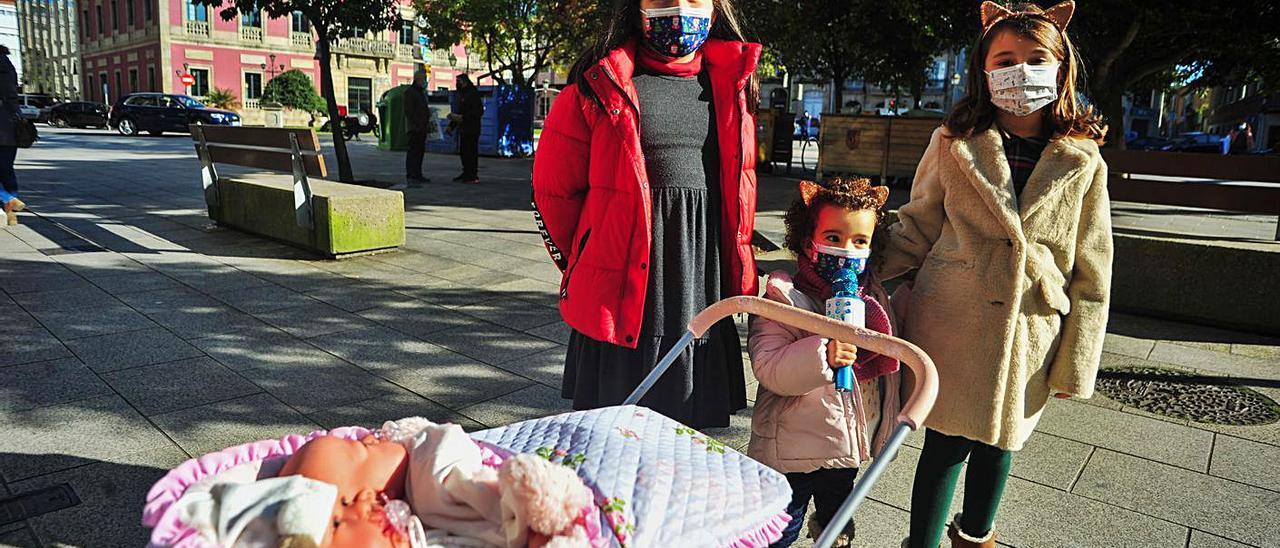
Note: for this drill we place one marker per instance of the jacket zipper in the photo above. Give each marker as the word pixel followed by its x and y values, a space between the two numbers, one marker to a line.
pixel 582 246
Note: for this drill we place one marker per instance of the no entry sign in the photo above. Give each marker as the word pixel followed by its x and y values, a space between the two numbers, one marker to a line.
pixel 188 80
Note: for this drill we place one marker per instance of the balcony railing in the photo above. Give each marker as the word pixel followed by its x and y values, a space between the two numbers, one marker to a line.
pixel 365 46
pixel 197 28
pixel 302 39
pixel 406 51
pixel 252 104
pixel 250 34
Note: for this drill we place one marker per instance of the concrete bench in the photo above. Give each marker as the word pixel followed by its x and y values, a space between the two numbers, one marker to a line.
pixel 333 219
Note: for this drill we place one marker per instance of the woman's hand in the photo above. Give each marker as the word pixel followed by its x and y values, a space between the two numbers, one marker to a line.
pixel 1062 396
pixel 840 354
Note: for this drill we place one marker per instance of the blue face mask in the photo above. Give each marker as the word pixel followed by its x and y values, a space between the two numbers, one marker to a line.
pixel 676 31
pixel 840 266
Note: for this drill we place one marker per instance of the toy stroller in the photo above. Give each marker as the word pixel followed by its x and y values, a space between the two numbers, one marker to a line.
pixel 655 482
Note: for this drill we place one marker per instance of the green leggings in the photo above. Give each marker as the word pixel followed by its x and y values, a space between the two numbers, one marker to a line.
pixel 935 484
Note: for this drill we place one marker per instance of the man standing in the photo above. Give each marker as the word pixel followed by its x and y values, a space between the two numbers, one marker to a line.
pixel 467 120
pixel 417 118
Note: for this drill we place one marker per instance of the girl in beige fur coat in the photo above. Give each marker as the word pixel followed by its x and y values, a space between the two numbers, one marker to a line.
pixel 1008 228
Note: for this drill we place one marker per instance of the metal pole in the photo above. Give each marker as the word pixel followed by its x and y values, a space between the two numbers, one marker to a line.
pixel 863 487
pixel 658 370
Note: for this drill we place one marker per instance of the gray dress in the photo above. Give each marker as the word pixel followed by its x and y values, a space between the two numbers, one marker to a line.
pixel 706 384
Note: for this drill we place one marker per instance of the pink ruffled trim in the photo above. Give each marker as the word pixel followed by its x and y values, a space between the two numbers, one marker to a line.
pixel 767 534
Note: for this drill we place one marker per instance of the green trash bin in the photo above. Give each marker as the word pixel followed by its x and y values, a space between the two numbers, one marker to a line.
pixel 391 117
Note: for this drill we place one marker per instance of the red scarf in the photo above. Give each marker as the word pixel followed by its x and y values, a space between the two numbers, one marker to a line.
pixel 810 283
pixel 650 61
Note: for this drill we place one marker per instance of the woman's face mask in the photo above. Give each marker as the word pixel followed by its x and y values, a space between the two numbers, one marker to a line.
pixel 676 31
pixel 1023 89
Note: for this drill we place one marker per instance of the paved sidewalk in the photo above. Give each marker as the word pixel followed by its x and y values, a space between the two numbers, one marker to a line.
pixel 139 336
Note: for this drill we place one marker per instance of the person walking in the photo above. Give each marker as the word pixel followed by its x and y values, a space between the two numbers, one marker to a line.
pixel 644 187
pixel 417 117
pixel 1241 140
pixel 467 121
pixel 8 139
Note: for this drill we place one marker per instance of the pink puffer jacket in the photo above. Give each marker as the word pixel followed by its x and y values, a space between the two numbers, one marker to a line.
pixel 800 422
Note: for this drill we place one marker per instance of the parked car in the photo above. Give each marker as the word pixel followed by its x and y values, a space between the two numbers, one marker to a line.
pixel 1147 143
pixel 156 113
pixel 1195 141
pixel 28 112
pixel 78 114
pixel 41 102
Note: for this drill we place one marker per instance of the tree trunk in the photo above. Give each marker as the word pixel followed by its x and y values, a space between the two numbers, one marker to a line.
pixel 335 121
pixel 837 91
pixel 1112 102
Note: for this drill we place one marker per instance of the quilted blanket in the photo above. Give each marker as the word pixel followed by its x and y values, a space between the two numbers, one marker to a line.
pixel 658 482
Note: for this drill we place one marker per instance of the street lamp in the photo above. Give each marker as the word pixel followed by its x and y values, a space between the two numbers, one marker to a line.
pixel 271 67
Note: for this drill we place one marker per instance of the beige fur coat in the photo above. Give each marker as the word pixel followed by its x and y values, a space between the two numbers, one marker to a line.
pixel 1011 295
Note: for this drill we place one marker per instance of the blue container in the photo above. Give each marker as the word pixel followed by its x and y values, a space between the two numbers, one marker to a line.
pixel 506 129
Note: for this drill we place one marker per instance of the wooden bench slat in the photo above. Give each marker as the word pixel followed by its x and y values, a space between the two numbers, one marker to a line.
pixel 1190 164
pixel 1244 198
pixel 259 136
pixel 278 161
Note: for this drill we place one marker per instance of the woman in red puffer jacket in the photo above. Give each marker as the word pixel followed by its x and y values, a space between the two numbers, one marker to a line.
pixel 644 189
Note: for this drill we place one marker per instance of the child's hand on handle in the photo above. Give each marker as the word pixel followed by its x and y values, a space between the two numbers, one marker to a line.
pixel 840 354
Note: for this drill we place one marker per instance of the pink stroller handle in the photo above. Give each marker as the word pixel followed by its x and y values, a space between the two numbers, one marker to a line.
pixel 924 392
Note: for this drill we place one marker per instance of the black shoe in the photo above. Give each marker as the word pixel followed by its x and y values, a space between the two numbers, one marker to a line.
pixel 460 178
pixel 470 180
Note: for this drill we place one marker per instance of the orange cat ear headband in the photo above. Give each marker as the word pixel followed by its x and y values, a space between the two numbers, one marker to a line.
pixel 809 189
pixel 1059 14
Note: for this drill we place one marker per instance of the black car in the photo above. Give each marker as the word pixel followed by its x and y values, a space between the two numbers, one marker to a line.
pixel 78 114
pixel 1195 141
pixel 156 113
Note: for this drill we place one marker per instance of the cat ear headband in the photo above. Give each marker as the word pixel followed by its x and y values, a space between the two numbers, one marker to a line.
pixel 809 189
pixel 1059 14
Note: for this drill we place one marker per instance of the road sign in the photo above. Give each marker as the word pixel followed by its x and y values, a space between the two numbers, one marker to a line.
pixel 188 79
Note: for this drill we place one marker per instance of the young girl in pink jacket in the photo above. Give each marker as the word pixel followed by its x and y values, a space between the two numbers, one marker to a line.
pixel 801 425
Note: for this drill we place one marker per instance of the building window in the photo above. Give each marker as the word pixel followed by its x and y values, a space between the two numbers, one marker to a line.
pixel 97 10
pixel 130 13
pixel 407 32
pixel 359 94
pixel 197 12
pixel 102 87
pixel 251 18
pixel 88 87
pixel 300 23
pixel 115 15
pixel 119 90
pixel 84 24
pixel 201 87
pixel 146 9
pixel 252 85
pixel 133 80
pixel 151 79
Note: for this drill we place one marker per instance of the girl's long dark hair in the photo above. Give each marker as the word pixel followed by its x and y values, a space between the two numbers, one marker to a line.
pixel 623 23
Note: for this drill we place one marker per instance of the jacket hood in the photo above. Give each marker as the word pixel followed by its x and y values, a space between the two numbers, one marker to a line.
pixel 738 59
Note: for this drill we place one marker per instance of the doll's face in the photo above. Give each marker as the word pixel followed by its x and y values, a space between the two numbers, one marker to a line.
pixel 363 471
pixel 837 226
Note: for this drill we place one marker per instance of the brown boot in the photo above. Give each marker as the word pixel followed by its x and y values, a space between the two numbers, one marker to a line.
pixel 961 540
pixel 11 209
pixel 843 540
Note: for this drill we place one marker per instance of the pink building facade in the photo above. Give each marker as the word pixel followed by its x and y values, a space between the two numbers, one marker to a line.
pixel 145 45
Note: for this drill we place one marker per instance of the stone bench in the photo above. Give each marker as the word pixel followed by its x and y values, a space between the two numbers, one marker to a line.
pixel 333 219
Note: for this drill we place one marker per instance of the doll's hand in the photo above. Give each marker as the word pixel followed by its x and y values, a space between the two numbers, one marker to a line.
pixel 840 354
pixel 1062 396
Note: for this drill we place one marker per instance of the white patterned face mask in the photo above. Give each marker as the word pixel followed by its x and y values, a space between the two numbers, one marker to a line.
pixel 1023 89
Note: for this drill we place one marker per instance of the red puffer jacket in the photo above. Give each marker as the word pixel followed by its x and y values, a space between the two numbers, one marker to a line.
pixel 591 194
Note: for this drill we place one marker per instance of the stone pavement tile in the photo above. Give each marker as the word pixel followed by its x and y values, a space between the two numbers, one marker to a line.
pixel 1224 508
pixel 100 264
pixel 513 313
pixel 555 332
pixel 1234 365
pixel 309 387
pixel 454 294
pixel 111 499
pixel 303 277
pixel 894 487
pixel 878 526
pixel 167 300
pixel 52 382
pixel 1246 462
pixel 204 321
pixel 1269 352
pixel 264 298
pixel 106 353
pixel 267 347
pixel 528 403
pixel 87 322
pixel 737 435
pixel 165 387
pixel 1212 346
pixel 546 293
pixel 1035 515
pixel 373 412
pixel 312 320
pixel 467 274
pixel 209 428
pixel 1128 346
pixel 51 277
pixel 489 343
pixel 48 439
pixel 1200 539
pixel 148 280
pixel 431 371
pixel 1128 433
pixel 357 296
pixel 214 279
pixel 19 538
pixel 1051 460
pixel 29 343
pixel 424 262
pixel 546 367
pixel 416 318
pixel 86 296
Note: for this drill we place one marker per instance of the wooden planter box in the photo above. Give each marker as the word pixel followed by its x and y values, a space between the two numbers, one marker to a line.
pixel 869 146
